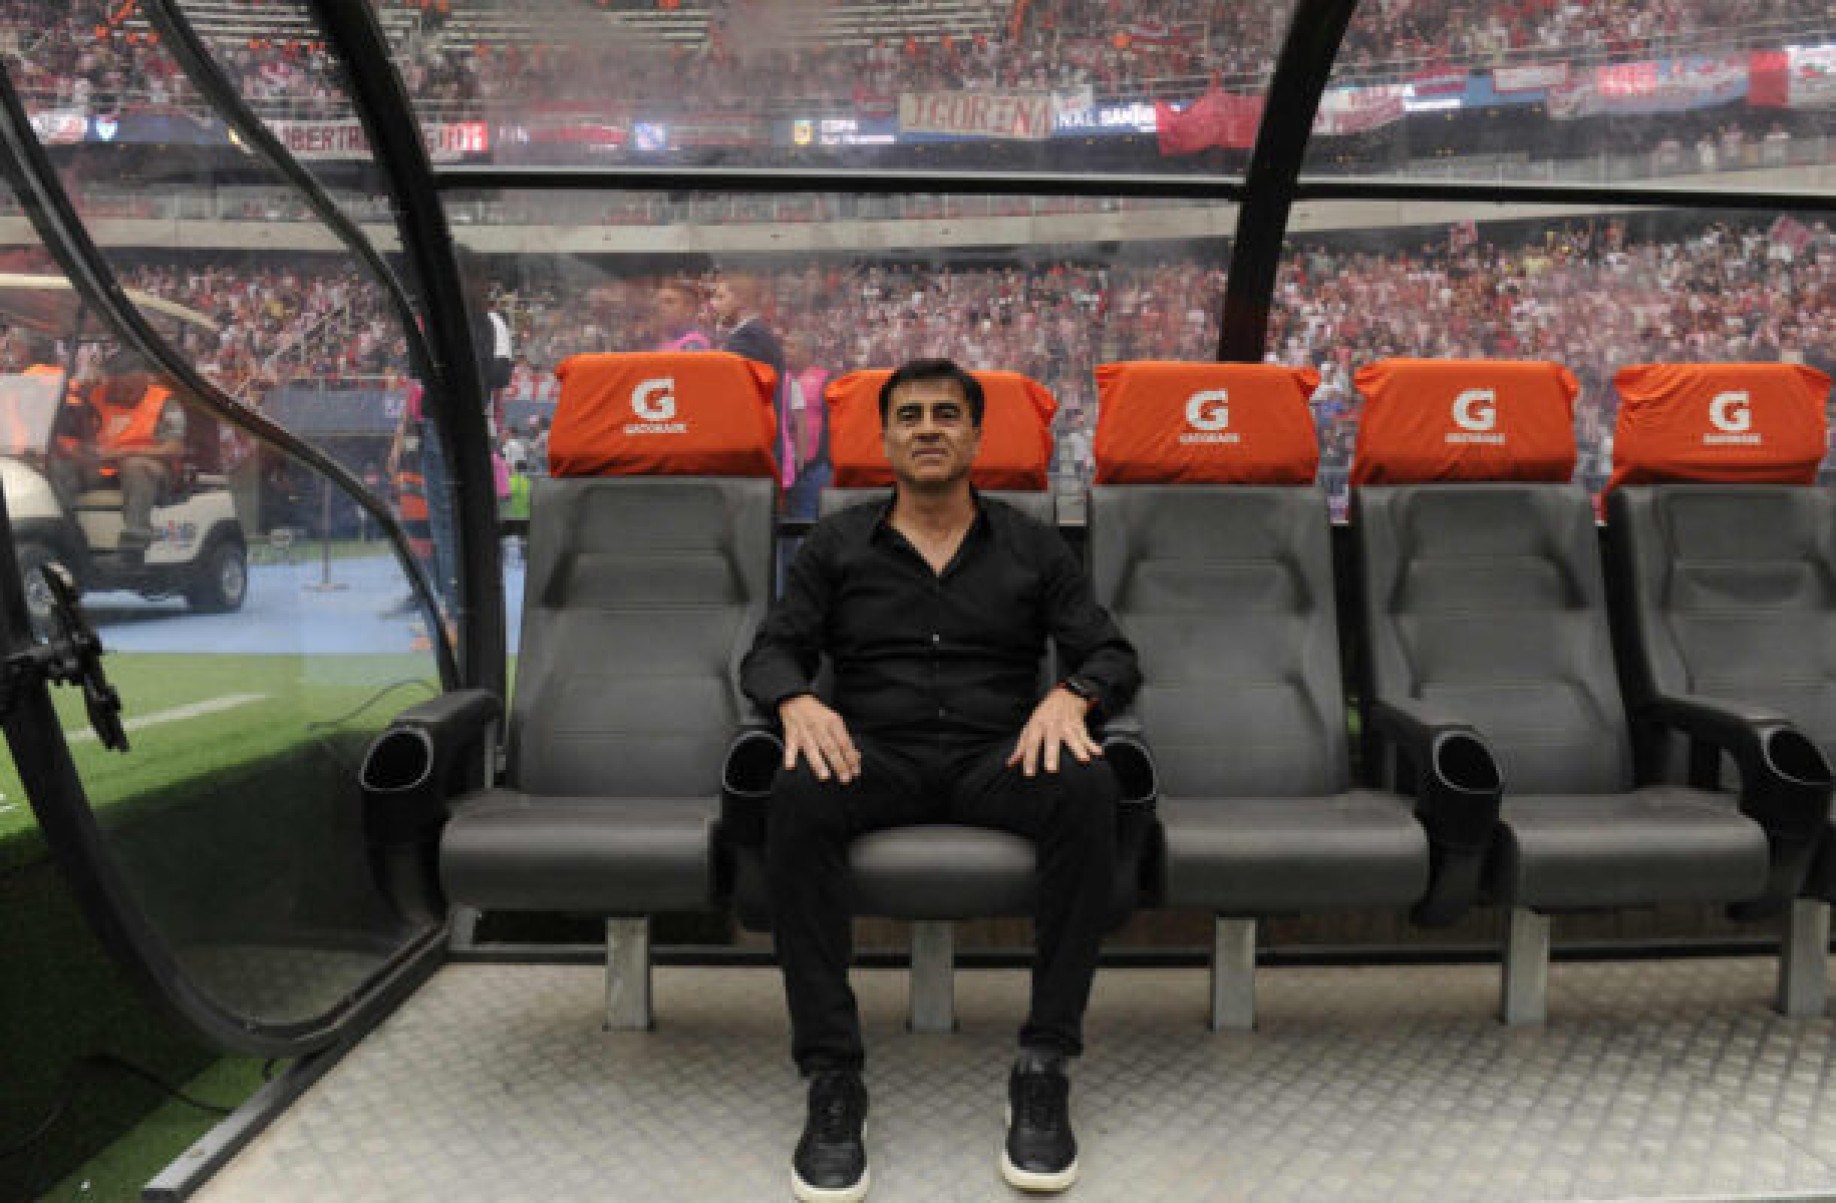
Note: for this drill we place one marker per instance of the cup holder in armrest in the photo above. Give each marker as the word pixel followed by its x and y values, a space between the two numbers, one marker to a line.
pixel 745 786
pixel 403 815
pixel 1133 765
pixel 1790 754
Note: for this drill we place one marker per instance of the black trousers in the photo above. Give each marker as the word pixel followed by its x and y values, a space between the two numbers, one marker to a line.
pixel 1069 815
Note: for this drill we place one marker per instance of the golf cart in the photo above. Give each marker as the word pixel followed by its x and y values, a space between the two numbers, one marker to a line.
pixel 197 549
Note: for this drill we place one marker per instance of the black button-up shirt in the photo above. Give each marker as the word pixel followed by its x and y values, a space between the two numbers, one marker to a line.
pixel 915 652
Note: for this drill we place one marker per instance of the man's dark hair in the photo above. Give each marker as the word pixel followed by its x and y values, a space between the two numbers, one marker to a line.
pixel 916 370
pixel 124 362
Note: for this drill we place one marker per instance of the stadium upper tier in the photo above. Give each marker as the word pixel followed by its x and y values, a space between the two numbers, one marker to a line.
pixel 618 79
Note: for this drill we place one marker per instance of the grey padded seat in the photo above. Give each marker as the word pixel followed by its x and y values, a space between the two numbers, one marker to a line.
pixel 1728 593
pixel 1227 593
pixel 935 871
pixel 942 871
pixel 641 595
pixel 1486 602
pixel 1731 594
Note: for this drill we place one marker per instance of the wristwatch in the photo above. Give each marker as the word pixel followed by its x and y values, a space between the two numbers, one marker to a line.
pixel 1083 687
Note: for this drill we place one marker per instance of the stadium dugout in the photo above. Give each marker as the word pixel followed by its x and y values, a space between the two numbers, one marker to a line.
pixel 1436 395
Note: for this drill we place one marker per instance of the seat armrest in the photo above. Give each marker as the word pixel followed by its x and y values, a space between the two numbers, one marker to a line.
pixel 456 717
pixel 432 753
pixel 746 775
pixel 440 747
pixel 1457 789
pixel 1785 782
pixel 1456 778
pixel 1126 749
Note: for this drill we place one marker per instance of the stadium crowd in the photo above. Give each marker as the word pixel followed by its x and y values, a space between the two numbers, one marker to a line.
pixel 97 54
pixel 1592 294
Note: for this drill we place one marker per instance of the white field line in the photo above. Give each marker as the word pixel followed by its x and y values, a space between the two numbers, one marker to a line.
pixel 177 714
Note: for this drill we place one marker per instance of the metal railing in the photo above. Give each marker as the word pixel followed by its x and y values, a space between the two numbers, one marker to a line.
pixel 268 205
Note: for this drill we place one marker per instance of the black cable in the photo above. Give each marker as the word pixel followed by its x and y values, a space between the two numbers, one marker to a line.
pixel 73 1077
pixel 406 682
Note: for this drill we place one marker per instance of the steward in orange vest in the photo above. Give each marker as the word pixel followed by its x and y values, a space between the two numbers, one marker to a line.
pixel 140 440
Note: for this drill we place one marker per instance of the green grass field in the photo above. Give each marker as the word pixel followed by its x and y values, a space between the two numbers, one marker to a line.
pixel 268 704
pixel 233 794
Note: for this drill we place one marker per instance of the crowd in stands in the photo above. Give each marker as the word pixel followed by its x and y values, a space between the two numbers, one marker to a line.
pixel 98 54
pixel 1591 294
pixel 1588 295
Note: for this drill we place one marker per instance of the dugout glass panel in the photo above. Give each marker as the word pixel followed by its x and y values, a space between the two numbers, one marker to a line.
pixel 1594 288
pixel 1713 95
pixel 254 660
pixel 1045 286
pixel 274 309
pixel 1039 85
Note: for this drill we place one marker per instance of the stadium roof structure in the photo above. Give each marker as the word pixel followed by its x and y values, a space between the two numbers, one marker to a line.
pixel 52 305
pixel 674 101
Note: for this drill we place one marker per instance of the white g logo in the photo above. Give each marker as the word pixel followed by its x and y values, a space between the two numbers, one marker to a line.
pixel 1209 410
pixel 655 400
pixel 1730 412
pixel 1476 409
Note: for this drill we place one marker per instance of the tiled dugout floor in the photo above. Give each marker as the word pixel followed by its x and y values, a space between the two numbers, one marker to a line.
pixel 1654 1080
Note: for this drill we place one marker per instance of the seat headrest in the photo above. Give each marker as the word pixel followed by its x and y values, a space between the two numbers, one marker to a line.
pixel 1016 450
pixel 663 413
pixel 1464 420
pixel 1733 423
pixel 1205 423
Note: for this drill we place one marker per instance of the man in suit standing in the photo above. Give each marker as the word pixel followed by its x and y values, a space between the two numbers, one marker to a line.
pixel 738 303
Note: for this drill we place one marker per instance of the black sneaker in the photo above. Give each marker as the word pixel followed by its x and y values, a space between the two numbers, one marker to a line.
pixel 1041 1152
pixel 830 1165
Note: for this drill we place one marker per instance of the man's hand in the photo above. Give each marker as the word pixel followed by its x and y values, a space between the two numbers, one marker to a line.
pixel 1058 721
pixel 819 735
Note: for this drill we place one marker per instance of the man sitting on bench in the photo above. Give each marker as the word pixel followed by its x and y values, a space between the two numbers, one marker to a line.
pixel 140 443
pixel 934 608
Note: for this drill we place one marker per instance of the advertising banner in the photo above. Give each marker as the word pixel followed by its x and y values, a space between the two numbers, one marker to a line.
pixel 1810 77
pixel 1007 115
pixel 1652 86
pixel 174 128
pixel 323 140
pixel 59 127
pixel 1357 110
pixel 1534 78
pixel 1131 118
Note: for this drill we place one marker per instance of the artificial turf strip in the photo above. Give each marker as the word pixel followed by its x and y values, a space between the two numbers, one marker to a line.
pixel 62 998
pixel 119 1171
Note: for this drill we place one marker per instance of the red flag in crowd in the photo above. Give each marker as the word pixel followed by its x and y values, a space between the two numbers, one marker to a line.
pixel 1218 118
pixel 1789 231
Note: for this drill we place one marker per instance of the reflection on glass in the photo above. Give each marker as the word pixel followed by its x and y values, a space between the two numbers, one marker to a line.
pixel 1727 92
pixel 834 302
pixel 1592 293
pixel 286 321
pixel 254 661
pixel 256 630
pixel 237 818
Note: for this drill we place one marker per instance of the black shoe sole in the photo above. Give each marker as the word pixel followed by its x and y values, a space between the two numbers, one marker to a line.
pixel 1042 1182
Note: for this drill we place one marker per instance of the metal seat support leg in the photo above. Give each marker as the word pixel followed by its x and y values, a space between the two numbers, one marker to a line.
pixel 1804 959
pixel 933 989
pixel 628 975
pixel 1233 974
pixel 1526 969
